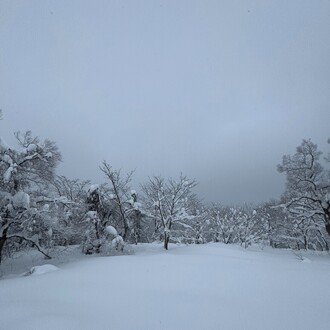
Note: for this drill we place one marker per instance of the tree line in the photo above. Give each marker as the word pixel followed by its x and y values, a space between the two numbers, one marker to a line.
pixel 41 209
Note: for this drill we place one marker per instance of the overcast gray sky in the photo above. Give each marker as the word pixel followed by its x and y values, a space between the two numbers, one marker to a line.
pixel 219 90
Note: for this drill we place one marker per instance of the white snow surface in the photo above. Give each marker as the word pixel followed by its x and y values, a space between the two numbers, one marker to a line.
pixel 211 286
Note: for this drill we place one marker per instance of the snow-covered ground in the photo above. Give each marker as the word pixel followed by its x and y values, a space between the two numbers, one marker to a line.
pixel 188 287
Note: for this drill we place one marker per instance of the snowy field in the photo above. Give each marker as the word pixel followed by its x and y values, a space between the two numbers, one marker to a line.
pixel 188 287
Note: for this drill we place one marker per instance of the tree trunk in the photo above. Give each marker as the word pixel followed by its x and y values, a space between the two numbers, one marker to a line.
pixel 305 243
pixel 98 246
pixel 327 227
pixel 3 239
pixel 166 240
pixel 126 228
pixel 327 219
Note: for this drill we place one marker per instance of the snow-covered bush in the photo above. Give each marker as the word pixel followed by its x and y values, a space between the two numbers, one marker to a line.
pixel 117 242
pixel 100 236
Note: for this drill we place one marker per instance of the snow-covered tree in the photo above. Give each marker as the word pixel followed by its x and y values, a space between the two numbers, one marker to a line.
pixel 120 193
pixel 24 173
pixel 94 234
pixel 100 235
pixel 308 184
pixel 302 232
pixel 68 207
pixel 251 227
pixel 244 225
pixel 195 228
pixel 168 204
pixel 223 225
pixel 136 219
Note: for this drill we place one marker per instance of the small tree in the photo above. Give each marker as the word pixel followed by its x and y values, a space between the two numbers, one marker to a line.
pixel 136 219
pixel 223 224
pixel 168 203
pixel 120 195
pixel 68 206
pixel 94 235
pixel 100 235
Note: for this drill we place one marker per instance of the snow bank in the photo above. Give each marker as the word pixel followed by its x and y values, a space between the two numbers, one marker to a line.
pixel 39 270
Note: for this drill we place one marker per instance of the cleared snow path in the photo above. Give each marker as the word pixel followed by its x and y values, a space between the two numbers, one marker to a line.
pixel 189 287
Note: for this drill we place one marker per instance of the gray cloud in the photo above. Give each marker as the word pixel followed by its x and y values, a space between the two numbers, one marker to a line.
pixel 216 89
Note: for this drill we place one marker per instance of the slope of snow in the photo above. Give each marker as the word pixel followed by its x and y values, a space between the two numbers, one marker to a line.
pixel 21 262
pixel 188 287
